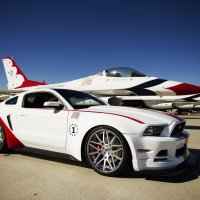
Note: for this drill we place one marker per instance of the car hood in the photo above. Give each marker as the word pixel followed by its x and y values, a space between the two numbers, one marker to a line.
pixel 146 116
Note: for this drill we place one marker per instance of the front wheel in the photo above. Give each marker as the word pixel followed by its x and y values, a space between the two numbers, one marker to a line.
pixel 107 151
pixel 3 143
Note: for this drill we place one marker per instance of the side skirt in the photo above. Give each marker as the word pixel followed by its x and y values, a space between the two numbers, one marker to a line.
pixel 48 153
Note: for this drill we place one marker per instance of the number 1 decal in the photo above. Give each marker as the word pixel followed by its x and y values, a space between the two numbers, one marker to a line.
pixel 73 129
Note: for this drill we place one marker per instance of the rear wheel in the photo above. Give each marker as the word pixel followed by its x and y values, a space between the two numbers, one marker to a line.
pixel 107 151
pixel 3 143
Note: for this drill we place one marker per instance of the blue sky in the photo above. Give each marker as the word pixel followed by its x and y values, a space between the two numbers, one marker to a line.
pixel 62 40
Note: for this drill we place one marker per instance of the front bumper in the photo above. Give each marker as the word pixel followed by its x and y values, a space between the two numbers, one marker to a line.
pixel 158 153
pixel 185 166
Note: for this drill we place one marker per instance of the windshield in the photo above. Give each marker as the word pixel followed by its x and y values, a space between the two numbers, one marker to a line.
pixel 79 100
pixel 122 72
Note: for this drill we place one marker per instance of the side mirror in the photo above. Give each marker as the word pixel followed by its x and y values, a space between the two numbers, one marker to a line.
pixel 53 104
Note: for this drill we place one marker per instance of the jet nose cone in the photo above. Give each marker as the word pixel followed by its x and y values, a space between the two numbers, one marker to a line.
pixel 184 89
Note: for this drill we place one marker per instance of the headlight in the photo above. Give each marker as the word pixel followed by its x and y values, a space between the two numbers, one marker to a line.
pixel 153 131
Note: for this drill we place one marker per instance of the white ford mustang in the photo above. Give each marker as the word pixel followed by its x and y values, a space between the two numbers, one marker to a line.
pixel 109 138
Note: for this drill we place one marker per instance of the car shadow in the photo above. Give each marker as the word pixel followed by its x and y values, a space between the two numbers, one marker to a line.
pixel 65 159
pixel 188 173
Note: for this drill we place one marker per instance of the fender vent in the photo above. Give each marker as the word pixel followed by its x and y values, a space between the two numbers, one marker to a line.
pixel 9 122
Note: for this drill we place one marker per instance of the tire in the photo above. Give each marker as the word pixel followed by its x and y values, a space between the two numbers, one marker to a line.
pixel 107 151
pixel 3 143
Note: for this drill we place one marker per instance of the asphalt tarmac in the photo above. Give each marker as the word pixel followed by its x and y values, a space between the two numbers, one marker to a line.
pixel 25 175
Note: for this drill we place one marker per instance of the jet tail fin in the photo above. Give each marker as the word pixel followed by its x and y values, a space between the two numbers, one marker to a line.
pixel 16 78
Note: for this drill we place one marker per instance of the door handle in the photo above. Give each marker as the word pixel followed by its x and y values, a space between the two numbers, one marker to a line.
pixel 22 114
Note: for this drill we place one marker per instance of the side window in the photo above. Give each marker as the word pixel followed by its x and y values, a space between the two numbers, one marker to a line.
pixel 12 101
pixel 36 100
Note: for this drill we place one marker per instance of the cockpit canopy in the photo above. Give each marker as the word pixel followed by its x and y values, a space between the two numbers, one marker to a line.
pixel 121 72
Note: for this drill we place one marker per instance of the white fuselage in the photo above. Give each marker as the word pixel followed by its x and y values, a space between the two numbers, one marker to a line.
pixel 121 82
pixel 112 86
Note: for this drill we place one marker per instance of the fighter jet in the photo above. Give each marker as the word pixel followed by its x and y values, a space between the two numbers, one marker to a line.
pixel 117 86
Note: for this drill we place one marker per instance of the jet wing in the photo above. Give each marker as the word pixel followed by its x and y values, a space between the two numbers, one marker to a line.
pixel 161 98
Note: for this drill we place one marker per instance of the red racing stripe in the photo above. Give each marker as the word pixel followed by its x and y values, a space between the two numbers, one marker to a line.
pixel 98 112
pixel 164 113
pixel 136 120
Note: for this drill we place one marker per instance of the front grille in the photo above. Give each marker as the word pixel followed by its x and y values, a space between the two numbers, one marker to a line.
pixel 181 151
pixel 178 130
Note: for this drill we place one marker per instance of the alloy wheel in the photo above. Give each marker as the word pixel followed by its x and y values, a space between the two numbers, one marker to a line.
pixel 105 151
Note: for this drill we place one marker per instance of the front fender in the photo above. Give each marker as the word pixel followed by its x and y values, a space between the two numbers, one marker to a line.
pixel 80 123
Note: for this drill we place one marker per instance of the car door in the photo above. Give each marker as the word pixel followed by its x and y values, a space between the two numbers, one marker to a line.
pixel 39 126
